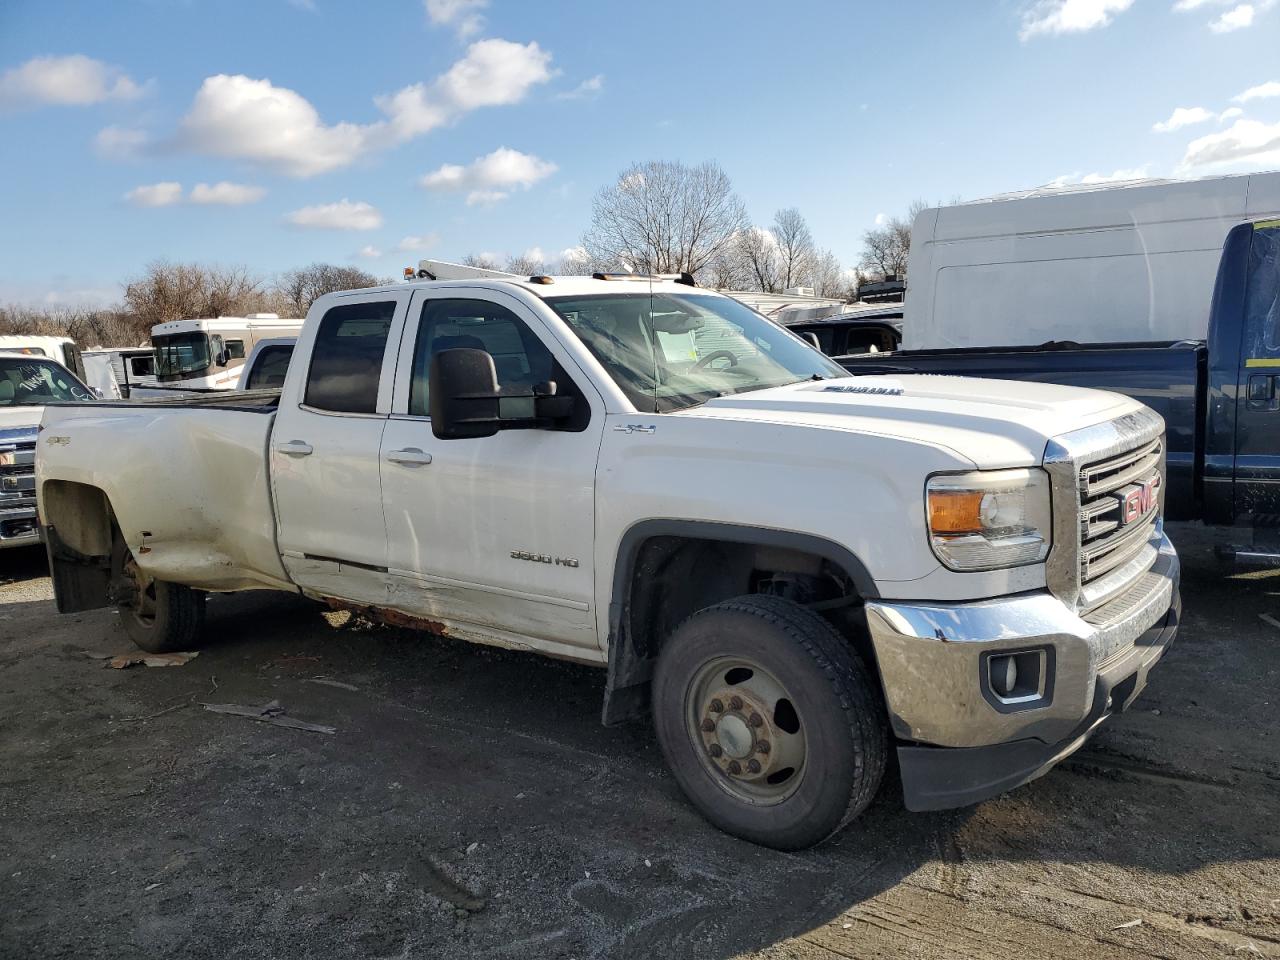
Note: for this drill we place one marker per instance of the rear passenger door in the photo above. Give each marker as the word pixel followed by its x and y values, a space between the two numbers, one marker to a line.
pixel 324 448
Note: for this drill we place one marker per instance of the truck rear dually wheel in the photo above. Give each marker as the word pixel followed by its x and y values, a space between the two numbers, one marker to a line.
pixel 769 721
pixel 157 615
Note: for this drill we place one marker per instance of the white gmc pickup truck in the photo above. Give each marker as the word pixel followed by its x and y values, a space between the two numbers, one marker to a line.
pixel 792 570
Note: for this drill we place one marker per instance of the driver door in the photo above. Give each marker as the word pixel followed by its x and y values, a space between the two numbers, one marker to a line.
pixel 493 535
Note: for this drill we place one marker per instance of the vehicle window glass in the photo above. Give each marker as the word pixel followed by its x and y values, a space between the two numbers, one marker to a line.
pixel 269 369
pixel 519 357
pixel 141 366
pixel 668 351
pixel 27 381
pixel 1262 302
pixel 235 349
pixel 826 338
pixel 181 353
pixel 346 360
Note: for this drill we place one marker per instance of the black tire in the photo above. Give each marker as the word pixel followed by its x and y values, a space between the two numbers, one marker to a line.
pixel 158 616
pixel 837 707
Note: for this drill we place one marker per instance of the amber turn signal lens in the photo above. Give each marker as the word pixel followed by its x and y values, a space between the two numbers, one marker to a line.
pixel 955 511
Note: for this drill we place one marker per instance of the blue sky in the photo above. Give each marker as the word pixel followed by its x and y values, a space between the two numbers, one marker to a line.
pixel 375 133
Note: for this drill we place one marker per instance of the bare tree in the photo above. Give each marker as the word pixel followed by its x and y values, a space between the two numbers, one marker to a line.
pixel 485 261
pixel 885 248
pixel 525 265
pixel 176 291
pixel 757 252
pixel 828 278
pixel 300 288
pixel 794 245
pixel 664 217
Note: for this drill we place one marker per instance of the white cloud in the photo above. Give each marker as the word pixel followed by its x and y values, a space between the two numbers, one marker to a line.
pixel 1230 114
pixel 1245 142
pixel 535 253
pixel 253 120
pixel 463 15
pixel 343 215
pixel 240 118
pixel 367 252
pixel 1073 179
pixel 1262 91
pixel 490 178
pixel 119 143
pixel 881 219
pixel 1237 18
pixel 1183 117
pixel 1182 6
pixel 409 244
pixel 226 193
pixel 74 80
pixel 1069 16
pixel 164 194
pixel 588 89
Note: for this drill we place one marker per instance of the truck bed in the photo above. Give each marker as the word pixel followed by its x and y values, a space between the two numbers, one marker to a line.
pixel 186 480
pixel 1167 376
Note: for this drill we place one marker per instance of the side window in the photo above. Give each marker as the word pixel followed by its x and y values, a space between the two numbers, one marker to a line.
pixel 346 360
pixel 1262 301
pixel 235 349
pixel 269 369
pixel 520 358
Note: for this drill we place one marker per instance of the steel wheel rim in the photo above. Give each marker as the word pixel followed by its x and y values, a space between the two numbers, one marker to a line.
pixel 747 730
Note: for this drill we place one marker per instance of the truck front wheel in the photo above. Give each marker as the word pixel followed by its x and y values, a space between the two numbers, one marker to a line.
pixel 769 721
pixel 157 615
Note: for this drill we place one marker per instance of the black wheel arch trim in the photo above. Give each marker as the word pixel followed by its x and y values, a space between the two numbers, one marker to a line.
pixel 626 689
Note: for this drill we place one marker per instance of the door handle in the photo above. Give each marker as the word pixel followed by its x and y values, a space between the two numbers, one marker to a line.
pixel 294 448
pixel 410 457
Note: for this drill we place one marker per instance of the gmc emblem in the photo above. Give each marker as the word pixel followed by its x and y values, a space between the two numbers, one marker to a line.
pixel 1139 500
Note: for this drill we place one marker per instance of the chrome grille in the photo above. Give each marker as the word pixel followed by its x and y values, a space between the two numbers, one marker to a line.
pixel 17 478
pixel 1106 541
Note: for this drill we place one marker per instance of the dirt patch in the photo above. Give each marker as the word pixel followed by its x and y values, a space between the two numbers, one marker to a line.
pixel 470 804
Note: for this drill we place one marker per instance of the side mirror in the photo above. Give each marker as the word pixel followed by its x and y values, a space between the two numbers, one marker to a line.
pixel 463 400
pixel 222 358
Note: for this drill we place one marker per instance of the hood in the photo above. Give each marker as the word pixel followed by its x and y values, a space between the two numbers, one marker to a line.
pixel 12 418
pixel 993 423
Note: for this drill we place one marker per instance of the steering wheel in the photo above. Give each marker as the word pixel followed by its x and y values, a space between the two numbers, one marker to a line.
pixel 716 355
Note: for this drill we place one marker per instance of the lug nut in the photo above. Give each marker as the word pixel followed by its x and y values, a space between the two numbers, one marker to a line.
pixel 762 746
pixel 714 750
pixel 708 725
pixel 735 703
pixel 716 706
pixel 753 766
pixel 734 767
pixel 757 720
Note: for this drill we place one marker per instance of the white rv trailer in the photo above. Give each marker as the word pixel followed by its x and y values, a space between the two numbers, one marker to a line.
pixel 1114 263
pixel 61 349
pixel 199 355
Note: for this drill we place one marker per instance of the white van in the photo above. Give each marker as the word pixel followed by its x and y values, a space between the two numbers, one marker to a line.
pixel 1122 262
pixel 207 354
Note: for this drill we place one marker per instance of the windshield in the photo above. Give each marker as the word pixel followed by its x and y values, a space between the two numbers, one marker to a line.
pixel 30 382
pixel 669 351
pixel 181 353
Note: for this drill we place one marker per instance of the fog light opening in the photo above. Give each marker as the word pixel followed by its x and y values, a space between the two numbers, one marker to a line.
pixel 1017 678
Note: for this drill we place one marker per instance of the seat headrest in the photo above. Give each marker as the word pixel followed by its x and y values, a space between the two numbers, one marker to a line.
pixel 7 391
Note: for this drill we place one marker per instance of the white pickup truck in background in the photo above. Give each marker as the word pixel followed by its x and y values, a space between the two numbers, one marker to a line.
pixel 793 570
pixel 27 382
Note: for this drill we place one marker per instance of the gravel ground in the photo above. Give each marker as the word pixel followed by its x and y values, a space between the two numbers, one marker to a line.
pixel 470 804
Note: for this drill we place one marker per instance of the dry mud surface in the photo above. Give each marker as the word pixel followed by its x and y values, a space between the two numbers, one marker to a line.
pixel 469 804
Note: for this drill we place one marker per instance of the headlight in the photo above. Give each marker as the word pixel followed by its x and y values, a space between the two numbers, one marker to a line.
pixel 990 519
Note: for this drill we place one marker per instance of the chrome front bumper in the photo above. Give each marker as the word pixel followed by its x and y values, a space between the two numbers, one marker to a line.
pixel 932 660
